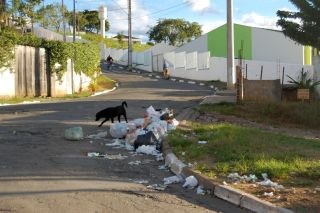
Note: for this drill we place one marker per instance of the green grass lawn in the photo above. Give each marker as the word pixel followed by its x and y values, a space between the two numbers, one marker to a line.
pixel 288 114
pixel 231 148
pixel 101 83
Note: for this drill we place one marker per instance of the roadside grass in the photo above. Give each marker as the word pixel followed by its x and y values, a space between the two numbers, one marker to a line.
pixel 289 114
pixel 232 148
pixel 101 83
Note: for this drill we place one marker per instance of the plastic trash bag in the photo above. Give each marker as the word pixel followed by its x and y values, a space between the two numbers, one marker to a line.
pixel 191 182
pixel 120 130
pixel 147 139
pixel 74 133
pixel 151 111
pixel 172 179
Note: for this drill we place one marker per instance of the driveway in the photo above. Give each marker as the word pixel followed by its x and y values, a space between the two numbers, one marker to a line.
pixel 40 171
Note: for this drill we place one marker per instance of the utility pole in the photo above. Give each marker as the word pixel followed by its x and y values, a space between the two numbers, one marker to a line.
pixel 74 21
pixel 129 37
pixel 230 49
pixel 64 21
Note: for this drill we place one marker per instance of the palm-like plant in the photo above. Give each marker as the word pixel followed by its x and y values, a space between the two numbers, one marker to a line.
pixel 304 81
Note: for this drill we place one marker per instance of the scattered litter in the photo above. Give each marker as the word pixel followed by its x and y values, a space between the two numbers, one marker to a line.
pixel 268 194
pixel 191 82
pixel 172 179
pixel 100 135
pixel 202 142
pixel 141 181
pixel 150 75
pixel 74 133
pixel 116 142
pixel 173 79
pixel 159 157
pixel 181 81
pixel 149 150
pixel 162 167
pixel 115 157
pixel 200 190
pixel 191 182
pixel 211 87
pixel 137 162
pixel 158 76
pixel 317 189
pixel 129 147
pixel 201 84
pixel 236 177
pixel 94 154
pixel 225 183
pixel 268 182
pixel 158 187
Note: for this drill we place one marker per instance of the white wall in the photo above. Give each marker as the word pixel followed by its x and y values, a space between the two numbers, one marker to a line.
pixel 161 48
pixel 199 45
pixel 271 45
pixel 7 85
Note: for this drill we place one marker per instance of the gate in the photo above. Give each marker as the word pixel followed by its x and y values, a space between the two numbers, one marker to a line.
pixel 32 75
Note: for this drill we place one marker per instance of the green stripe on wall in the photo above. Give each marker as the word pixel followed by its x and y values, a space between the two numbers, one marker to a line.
pixel 217 41
pixel 307 55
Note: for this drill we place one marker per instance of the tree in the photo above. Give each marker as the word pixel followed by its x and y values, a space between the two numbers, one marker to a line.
pixel 302 26
pixel 120 36
pixel 88 21
pixel 174 31
pixel 51 15
pixel 27 8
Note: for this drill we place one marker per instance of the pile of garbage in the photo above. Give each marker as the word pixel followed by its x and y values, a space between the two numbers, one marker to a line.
pixel 148 131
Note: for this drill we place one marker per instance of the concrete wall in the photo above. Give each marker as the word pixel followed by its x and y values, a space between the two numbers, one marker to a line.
pixel 64 86
pixel 264 90
pixel 199 45
pixel 7 82
pixel 271 45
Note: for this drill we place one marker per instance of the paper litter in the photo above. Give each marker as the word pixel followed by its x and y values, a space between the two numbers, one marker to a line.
pixel 137 162
pixel 200 190
pixel 268 182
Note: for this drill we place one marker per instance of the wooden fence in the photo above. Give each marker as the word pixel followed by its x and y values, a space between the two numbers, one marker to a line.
pixel 32 76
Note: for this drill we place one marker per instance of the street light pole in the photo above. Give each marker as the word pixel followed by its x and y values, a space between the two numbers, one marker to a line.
pixel 230 49
pixel 64 21
pixel 129 37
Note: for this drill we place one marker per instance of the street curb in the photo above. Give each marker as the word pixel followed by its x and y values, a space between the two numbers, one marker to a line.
pixel 227 193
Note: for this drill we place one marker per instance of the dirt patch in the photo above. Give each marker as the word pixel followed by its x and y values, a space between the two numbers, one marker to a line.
pixel 300 199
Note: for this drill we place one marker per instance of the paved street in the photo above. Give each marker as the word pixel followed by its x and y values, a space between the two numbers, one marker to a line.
pixel 40 171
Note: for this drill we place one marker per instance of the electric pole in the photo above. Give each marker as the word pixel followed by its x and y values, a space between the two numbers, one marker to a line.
pixel 74 21
pixel 64 21
pixel 129 37
pixel 230 49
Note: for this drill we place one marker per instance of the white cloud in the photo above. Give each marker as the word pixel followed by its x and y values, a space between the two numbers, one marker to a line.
pixel 256 20
pixel 199 5
pixel 119 18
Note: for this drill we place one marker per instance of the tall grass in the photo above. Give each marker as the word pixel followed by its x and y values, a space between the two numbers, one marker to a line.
pixel 233 148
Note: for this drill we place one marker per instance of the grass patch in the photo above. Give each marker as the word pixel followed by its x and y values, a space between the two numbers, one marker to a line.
pixel 101 83
pixel 233 148
pixel 300 115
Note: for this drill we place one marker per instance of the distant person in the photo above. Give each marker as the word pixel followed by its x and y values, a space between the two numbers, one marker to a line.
pixel 166 66
pixel 109 62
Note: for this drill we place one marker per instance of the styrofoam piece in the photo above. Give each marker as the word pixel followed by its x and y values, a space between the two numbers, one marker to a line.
pixel 191 182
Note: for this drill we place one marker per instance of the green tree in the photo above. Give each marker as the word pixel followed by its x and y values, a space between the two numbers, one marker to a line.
pixel 174 31
pixel 27 8
pixel 302 26
pixel 51 15
pixel 87 20
pixel 120 36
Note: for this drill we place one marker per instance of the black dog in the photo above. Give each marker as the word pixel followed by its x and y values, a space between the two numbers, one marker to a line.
pixel 112 112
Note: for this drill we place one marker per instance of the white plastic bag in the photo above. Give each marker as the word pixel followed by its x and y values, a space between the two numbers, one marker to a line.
pixel 191 182
pixel 151 111
pixel 74 133
pixel 120 130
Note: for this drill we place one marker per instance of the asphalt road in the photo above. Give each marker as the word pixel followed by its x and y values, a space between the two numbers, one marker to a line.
pixel 40 171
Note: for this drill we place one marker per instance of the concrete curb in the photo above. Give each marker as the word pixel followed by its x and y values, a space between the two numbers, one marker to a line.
pixel 227 193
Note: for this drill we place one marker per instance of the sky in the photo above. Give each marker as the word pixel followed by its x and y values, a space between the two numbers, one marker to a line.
pixel 208 13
